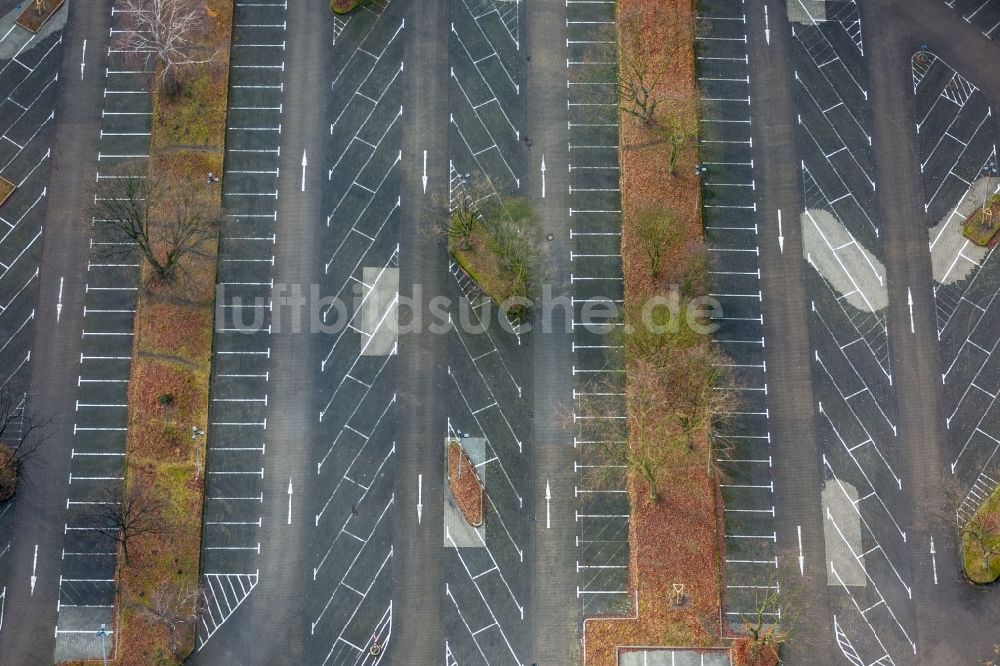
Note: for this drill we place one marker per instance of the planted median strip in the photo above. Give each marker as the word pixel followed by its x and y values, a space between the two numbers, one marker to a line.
pixel 170 216
pixel 678 387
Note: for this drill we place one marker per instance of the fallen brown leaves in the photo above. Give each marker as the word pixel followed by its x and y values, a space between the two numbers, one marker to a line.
pixel 677 539
pixel 465 486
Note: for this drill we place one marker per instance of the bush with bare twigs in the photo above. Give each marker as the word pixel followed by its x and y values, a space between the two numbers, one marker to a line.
pixel 20 436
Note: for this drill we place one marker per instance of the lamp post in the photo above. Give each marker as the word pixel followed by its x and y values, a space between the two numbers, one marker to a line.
pixel 104 652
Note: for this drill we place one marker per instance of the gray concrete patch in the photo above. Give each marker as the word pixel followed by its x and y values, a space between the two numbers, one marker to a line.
pixel 806 12
pixel 852 271
pixel 14 37
pixel 455 524
pixel 842 534
pixel 379 312
pixel 953 256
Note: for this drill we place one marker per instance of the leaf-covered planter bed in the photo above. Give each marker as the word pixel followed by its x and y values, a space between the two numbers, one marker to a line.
pixel 6 189
pixel 982 225
pixel 465 485
pixel 33 20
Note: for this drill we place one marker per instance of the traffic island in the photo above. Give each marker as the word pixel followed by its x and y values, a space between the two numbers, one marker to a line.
pixel 6 189
pixel 37 14
pixel 981 542
pixel 466 488
pixel 982 225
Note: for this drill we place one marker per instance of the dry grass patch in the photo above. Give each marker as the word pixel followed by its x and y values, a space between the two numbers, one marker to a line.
pixel 188 335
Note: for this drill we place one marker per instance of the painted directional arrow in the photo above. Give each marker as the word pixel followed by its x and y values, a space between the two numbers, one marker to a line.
pixel 543 176
pixel 304 171
pixel 548 500
pixel 909 304
pixel 423 178
pixel 59 301
pixel 802 559
pixel 420 502
pixel 34 565
pixel 767 27
pixel 934 561
pixel 781 236
pixel 289 500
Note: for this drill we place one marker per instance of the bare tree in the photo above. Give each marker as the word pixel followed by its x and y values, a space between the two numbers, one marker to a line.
pixel 678 127
pixel 657 231
pixel 123 515
pixel 20 437
pixel 166 31
pixel 164 225
pixel 772 618
pixel 176 608
pixel 641 67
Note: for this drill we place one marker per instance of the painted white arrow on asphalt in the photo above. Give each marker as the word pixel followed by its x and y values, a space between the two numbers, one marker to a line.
pixel 423 178
pixel 59 301
pixel 548 500
pixel 34 566
pixel 289 500
pixel 767 27
pixel 781 236
pixel 420 502
pixel 934 561
pixel 543 176
pixel 83 60
pixel 909 304
pixel 304 171
pixel 802 559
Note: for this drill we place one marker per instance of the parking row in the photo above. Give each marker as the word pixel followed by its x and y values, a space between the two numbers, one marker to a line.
pixel 601 503
pixel 28 84
pixel 486 572
pixel 486 569
pixel 730 220
pixel 241 350
pixel 349 603
pixel 983 14
pixel 957 151
pixel 87 575
pixel 29 65
pixel 958 165
pixel 855 405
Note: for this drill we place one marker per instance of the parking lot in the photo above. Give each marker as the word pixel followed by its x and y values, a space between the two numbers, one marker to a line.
pixel 730 217
pixel 957 149
pixel 86 586
pixel 237 433
pixel 852 379
pixel 984 14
